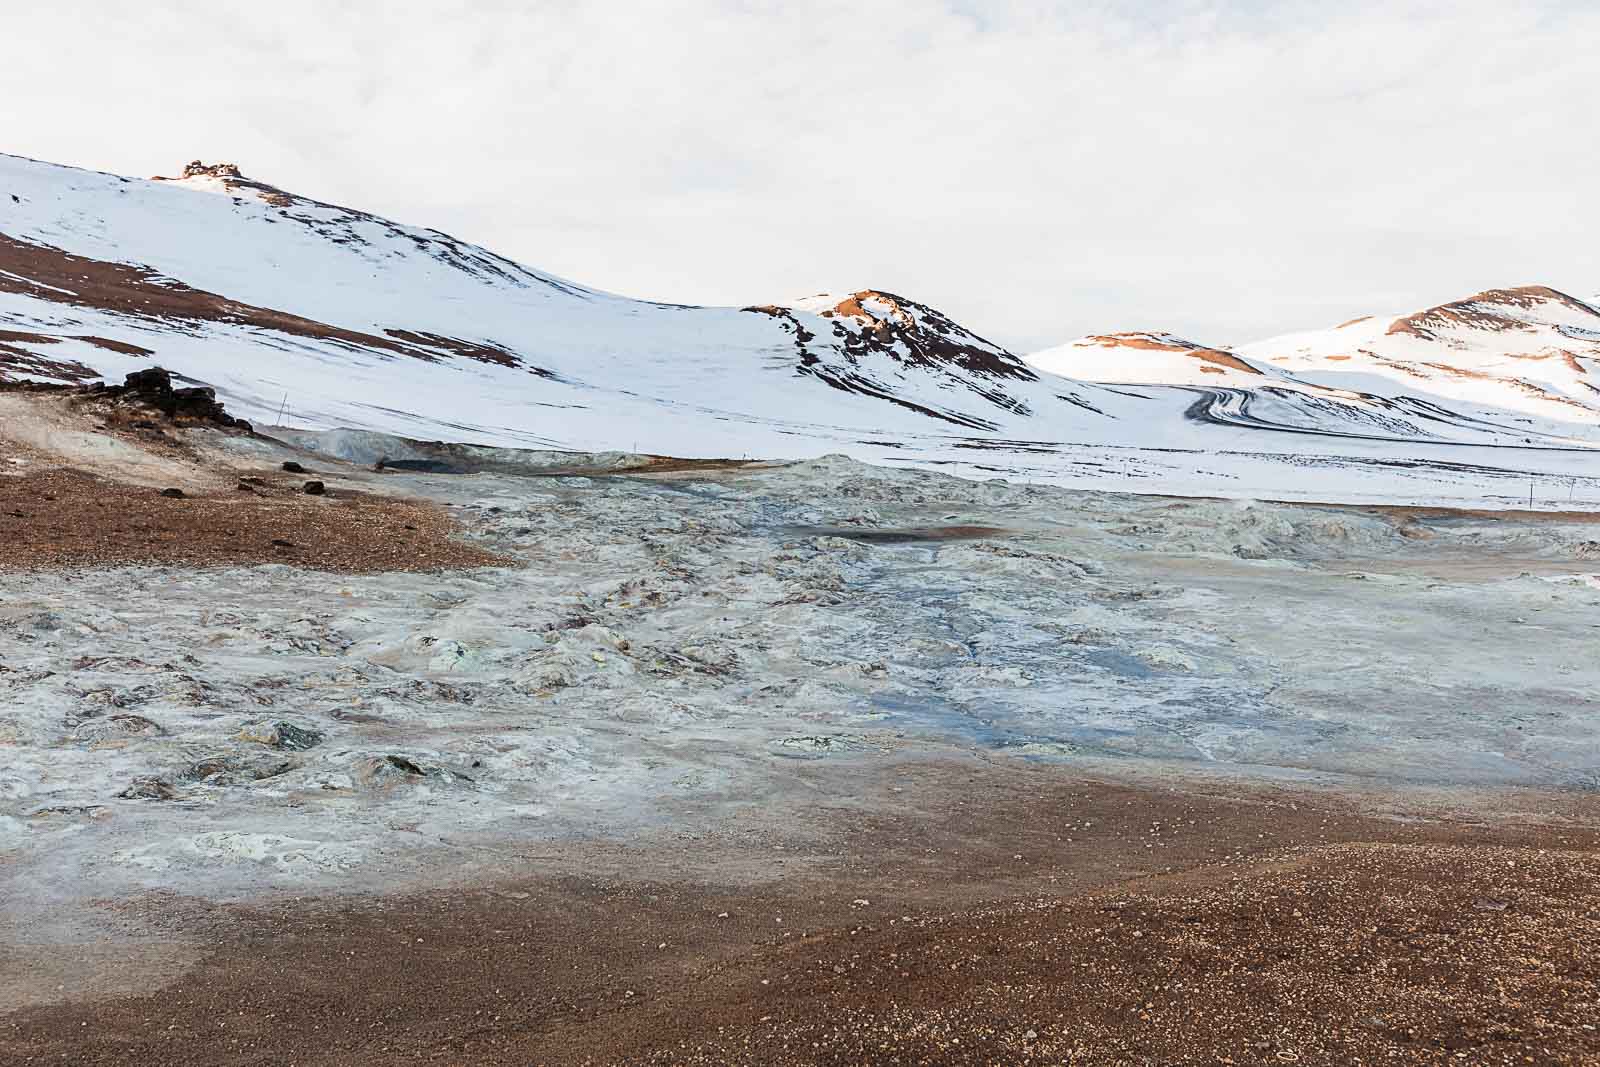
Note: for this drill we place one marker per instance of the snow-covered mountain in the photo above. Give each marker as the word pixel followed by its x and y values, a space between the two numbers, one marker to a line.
pixel 1144 358
pixel 1530 349
pixel 1513 363
pixel 328 316
pixel 363 321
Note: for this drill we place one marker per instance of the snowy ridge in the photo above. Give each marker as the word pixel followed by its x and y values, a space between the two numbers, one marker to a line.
pixel 1257 386
pixel 1531 350
pixel 338 317
pixel 1148 359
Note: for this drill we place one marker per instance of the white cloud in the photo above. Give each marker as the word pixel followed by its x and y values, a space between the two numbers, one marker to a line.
pixel 1037 170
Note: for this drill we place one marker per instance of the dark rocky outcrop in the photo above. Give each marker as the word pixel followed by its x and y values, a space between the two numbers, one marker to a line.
pixel 152 388
pixel 284 735
pixel 148 788
pixel 199 169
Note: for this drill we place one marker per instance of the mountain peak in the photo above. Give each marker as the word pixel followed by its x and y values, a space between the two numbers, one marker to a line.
pixel 199 169
pixel 1494 310
pixel 231 180
pixel 874 320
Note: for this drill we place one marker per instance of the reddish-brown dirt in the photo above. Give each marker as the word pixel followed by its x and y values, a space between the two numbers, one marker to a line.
pixel 49 273
pixel 67 518
pixel 996 916
pixel 1215 357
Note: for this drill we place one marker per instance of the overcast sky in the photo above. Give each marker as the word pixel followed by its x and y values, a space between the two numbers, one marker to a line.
pixel 1036 170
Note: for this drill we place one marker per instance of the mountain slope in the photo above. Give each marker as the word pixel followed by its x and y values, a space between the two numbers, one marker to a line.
pixel 1531 350
pixel 308 313
pixel 1146 358
pixel 1258 386
pixel 291 295
pixel 1524 362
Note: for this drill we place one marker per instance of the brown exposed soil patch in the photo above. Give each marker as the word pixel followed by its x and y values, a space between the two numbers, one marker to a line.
pixel 991 916
pixel 65 518
pixel 48 273
pixel 850 305
pixel 31 338
pixel 483 353
pixel 1147 342
pixel 1460 372
pixel 110 345
pixel 1414 369
pixel 1223 359
pixel 15 361
pixel 1515 383
pixel 127 348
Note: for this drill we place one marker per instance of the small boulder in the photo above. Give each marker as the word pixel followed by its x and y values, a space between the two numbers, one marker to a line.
pixel 210 768
pixel 284 735
pixel 293 468
pixel 380 772
pixel 315 489
pixel 175 494
pixel 375 772
pixel 234 770
pixel 149 789
pixel 115 728
pixel 403 765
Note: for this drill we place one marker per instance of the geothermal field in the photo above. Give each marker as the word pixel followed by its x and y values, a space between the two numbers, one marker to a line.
pixel 780 757
pixel 408 656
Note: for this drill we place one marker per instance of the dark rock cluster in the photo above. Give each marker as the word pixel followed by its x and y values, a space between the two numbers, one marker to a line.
pixel 200 169
pixel 152 388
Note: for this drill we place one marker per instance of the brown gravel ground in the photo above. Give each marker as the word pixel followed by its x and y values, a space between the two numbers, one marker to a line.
pixel 68 518
pixel 997 916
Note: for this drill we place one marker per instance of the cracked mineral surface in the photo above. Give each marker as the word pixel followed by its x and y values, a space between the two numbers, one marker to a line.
pixel 661 647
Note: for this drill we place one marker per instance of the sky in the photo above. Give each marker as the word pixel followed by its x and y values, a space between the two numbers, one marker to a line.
pixel 1036 170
